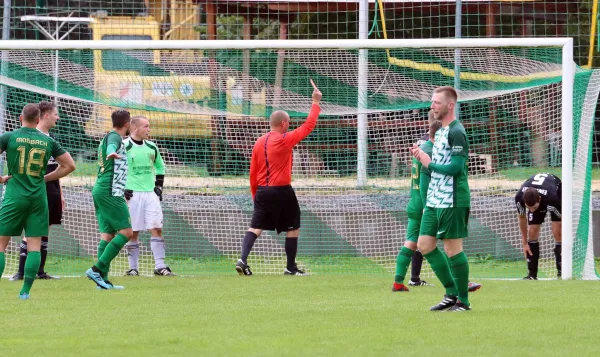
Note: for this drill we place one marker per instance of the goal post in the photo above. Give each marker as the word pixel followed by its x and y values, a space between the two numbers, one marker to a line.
pixel 206 108
pixel 568 77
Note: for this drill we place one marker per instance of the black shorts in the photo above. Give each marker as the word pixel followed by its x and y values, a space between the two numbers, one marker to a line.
pixel 276 209
pixel 55 210
pixel 539 215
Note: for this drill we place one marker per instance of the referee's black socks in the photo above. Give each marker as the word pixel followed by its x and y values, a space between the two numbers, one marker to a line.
pixel 247 245
pixel 291 248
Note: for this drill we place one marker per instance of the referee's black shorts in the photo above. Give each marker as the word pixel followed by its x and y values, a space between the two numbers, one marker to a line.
pixel 55 210
pixel 276 209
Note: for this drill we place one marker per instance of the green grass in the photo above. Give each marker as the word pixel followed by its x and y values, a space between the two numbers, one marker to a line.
pixel 480 268
pixel 523 173
pixel 295 316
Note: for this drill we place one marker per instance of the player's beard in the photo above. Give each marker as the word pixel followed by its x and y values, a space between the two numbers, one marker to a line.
pixel 442 113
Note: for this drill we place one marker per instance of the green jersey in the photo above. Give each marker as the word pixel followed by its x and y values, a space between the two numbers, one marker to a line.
pixel 27 153
pixel 449 191
pixel 112 173
pixel 144 163
pixel 419 183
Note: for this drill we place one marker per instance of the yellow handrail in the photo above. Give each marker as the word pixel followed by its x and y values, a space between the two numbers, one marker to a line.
pixel 593 33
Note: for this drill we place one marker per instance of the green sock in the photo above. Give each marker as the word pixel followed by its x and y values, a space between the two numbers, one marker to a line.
pixel 101 247
pixel 440 267
pixel 32 264
pixel 460 269
pixel 2 263
pixel 110 252
pixel 447 259
pixel 402 263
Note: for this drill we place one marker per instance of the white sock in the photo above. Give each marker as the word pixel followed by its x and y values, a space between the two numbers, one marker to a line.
pixel 157 244
pixel 133 254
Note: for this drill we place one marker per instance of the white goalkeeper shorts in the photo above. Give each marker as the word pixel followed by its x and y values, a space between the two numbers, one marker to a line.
pixel 145 210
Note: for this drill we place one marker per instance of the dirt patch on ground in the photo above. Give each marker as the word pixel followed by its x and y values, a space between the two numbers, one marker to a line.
pixel 321 185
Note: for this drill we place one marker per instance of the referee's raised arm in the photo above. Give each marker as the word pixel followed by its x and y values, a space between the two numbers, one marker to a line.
pixel 275 204
pixel 271 163
pixel 295 136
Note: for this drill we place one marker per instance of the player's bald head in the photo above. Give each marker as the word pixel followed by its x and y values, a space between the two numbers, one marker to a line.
pixel 31 113
pixel 138 120
pixel 278 117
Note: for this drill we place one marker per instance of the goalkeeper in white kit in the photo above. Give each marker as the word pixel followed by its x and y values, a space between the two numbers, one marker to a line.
pixel 143 192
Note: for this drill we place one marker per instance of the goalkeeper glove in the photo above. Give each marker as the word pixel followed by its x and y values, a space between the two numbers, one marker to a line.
pixel 158 186
pixel 128 194
pixel 158 191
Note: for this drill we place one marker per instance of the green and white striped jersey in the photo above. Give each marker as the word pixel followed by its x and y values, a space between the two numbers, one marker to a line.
pixel 112 174
pixel 444 190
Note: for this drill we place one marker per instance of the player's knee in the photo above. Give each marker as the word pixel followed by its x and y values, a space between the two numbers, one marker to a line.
pixel 410 245
pixel 256 231
pixel 557 231
pixel 450 251
pixel 292 234
pixel 128 233
pixel 34 244
pixel 453 246
pixel 4 243
pixel 425 246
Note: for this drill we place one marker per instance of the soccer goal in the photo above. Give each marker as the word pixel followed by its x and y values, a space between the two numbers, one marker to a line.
pixel 526 107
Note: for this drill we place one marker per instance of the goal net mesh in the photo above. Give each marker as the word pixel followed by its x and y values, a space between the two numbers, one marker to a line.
pixel 207 108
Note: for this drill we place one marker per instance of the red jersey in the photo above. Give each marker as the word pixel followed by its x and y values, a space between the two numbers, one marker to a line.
pixel 271 163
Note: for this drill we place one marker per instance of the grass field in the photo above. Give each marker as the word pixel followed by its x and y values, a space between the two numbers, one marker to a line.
pixel 295 316
pixel 480 268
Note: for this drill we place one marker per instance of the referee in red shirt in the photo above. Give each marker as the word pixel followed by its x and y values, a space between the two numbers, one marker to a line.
pixel 275 203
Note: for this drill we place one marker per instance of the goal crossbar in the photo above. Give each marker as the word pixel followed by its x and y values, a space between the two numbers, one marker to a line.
pixel 284 44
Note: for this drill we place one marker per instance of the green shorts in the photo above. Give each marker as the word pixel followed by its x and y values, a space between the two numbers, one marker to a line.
pixel 21 214
pixel 445 223
pixel 413 229
pixel 112 213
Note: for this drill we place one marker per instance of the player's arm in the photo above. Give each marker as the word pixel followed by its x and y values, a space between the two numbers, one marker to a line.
pixel 522 217
pixel 66 166
pixel 254 173
pixel 523 229
pixel 4 138
pixel 159 167
pixel 460 149
pixel 295 136
pixel 113 144
pixel 424 179
pixel 455 167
